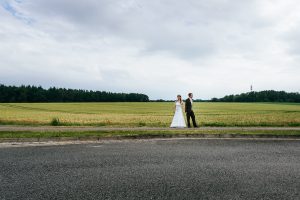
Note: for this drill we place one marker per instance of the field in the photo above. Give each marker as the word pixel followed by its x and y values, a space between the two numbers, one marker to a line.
pixel 148 114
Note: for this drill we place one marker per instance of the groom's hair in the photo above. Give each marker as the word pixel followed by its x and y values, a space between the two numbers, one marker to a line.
pixel 190 94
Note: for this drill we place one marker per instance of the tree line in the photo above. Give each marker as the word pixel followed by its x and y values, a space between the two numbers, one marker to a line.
pixel 262 96
pixel 30 93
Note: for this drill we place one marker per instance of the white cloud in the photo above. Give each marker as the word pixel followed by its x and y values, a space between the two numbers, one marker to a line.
pixel 161 48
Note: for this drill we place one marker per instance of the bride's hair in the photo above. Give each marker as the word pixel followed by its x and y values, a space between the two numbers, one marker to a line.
pixel 179 96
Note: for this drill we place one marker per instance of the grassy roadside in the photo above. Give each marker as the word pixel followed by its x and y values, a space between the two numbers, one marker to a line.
pixel 144 133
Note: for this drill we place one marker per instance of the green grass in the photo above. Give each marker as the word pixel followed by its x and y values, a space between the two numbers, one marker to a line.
pixel 148 114
pixel 149 133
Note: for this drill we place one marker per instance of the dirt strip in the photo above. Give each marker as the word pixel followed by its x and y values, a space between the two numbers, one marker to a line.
pixel 96 143
pixel 91 128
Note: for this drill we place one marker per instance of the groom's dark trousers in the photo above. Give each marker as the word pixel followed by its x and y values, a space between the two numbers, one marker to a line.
pixel 190 113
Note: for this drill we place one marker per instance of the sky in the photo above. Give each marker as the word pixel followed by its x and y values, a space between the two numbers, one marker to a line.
pixel 160 47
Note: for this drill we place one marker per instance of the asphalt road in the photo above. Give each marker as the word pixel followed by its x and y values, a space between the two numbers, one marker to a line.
pixel 153 169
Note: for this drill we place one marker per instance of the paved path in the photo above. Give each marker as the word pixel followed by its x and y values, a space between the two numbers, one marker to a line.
pixel 153 169
pixel 92 128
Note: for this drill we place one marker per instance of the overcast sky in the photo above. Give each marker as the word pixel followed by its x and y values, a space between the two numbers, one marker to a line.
pixel 160 47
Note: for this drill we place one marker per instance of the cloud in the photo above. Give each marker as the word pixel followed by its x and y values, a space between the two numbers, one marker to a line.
pixel 161 48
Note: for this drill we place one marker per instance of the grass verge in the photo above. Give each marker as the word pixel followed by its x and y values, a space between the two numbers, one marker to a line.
pixel 144 133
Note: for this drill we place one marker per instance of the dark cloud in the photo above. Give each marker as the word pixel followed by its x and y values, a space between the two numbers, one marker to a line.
pixel 189 29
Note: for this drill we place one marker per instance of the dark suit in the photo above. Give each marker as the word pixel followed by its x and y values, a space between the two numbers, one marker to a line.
pixel 190 113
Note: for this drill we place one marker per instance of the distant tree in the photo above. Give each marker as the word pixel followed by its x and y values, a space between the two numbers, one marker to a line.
pixel 262 96
pixel 38 94
pixel 214 99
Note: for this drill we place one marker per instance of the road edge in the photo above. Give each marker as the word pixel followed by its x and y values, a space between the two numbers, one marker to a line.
pixel 149 136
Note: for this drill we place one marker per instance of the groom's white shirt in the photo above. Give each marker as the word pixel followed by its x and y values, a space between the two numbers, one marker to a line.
pixel 191 100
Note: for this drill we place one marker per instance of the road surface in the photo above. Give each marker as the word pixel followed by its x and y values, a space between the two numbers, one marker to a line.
pixel 153 169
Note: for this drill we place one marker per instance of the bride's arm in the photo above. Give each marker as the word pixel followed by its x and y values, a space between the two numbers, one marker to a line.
pixel 175 107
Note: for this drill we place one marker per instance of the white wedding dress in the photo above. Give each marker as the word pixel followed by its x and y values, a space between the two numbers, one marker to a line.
pixel 178 119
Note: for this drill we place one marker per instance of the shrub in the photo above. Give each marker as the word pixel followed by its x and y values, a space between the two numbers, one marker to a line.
pixel 55 122
pixel 142 124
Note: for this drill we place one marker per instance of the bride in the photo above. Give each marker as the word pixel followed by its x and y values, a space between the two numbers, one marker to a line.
pixel 178 119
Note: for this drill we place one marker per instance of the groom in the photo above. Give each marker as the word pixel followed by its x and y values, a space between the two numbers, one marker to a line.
pixel 189 111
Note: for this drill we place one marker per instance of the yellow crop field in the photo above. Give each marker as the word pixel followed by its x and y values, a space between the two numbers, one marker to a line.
pixel 150 114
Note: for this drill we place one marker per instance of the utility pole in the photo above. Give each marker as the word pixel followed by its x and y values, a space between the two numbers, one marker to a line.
pixel 251 88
